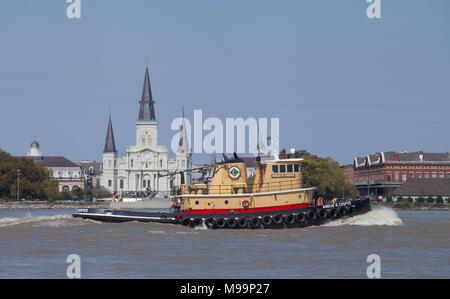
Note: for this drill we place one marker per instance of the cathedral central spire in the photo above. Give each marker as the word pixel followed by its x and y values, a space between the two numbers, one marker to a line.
pixel 146 109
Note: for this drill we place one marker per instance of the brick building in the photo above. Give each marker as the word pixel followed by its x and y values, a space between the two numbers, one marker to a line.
pixel 379 174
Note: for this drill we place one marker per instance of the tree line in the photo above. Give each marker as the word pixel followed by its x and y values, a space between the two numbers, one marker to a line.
pixel 35 180
pixel 326 175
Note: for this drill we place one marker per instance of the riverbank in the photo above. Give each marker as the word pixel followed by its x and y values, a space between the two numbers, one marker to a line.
pixel 414 206
pixel 44 205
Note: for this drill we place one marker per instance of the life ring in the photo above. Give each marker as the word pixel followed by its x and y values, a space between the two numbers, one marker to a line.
pixel 245 204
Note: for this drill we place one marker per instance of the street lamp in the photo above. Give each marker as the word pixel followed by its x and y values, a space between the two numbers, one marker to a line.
pixel 18 184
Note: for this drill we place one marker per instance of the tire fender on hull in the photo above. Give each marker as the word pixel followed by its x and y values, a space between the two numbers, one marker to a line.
pixel 290 219
pixel 210 222
pixel 221 223
pixel 186 222
pixel 242 222
pixel 301 217
pixel 277 219
pixel 266 220
pixel 231 222
pixel 254 222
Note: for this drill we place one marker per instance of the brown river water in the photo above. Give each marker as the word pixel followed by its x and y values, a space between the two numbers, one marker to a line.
pixel 410 243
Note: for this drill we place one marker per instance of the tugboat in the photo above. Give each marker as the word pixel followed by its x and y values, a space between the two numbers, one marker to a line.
pixel 276 199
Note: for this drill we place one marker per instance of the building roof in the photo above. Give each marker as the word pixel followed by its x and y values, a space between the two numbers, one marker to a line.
pixel 146 109
pixel 402 157
pixel 416 157
pixel 110 145
pixel 424 187
pixel 96 166
pixel 54 161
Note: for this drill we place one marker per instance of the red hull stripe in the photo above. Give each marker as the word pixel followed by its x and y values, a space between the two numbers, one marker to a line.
pixel 249 210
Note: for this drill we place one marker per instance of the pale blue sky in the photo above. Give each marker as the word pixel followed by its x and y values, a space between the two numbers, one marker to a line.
pixel 342 85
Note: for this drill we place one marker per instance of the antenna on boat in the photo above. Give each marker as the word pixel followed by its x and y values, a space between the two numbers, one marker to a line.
pixel 213 159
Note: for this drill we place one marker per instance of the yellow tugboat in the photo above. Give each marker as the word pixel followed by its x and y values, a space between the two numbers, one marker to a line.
pixel 276 199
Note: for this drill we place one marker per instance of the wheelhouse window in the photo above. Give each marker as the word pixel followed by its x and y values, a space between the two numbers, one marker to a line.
pixel 282 168
pixel 275 168
pixel 296 167
pixel 289 168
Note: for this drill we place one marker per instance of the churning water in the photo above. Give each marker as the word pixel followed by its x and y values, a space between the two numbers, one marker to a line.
pixel 411 244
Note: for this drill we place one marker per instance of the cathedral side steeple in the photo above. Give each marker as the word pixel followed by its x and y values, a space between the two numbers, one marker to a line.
pixel 110 145
pixel 146 108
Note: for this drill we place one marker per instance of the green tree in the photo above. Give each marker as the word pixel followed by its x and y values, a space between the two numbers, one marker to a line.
pixel 325 174
pixel 35 180
pixel 78 193
pixel 440 199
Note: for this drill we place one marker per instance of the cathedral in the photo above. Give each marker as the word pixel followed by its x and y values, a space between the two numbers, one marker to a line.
pixel 145 166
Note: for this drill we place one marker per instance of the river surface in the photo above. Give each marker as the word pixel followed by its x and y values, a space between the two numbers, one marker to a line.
pixel 411 244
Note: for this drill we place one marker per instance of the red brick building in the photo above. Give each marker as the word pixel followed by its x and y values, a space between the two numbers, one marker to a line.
pixel 380 173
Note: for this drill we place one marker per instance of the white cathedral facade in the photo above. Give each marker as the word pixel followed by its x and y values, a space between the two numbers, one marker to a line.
pixel 145 166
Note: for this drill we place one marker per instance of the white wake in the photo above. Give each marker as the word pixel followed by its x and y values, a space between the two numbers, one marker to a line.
pixel 52 221
pixel 378 216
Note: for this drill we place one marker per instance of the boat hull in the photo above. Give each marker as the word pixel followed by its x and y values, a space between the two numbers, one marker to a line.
pixel 276 218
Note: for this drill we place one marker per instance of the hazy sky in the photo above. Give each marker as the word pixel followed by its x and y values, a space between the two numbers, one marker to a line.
pixel 342 85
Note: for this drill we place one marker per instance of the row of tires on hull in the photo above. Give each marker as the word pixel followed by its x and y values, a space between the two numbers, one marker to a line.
pixel 296 219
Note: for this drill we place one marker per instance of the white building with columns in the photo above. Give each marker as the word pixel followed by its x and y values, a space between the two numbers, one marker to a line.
pixel 145 166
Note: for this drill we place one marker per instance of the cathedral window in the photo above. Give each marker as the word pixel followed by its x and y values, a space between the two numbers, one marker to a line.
pixel 109 183
pixel 131 163
pixel 161 163
pixel 121 184
pixel 144 183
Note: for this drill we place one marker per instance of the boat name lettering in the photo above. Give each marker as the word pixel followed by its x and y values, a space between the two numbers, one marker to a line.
pixel 337 205
pixel 283 175
pixel 83 210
